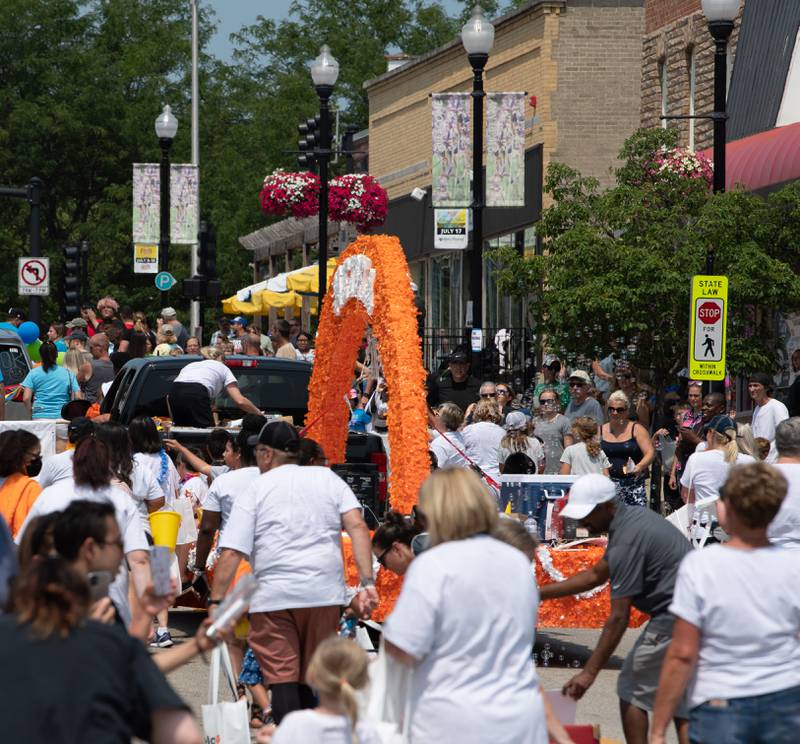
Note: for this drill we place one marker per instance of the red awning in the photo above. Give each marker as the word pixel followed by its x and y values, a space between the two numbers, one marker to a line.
pixel 763 160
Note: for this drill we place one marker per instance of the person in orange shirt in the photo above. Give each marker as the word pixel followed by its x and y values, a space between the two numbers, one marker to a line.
pixel 20 461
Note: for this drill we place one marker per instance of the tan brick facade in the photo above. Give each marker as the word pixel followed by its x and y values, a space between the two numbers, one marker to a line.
pixel 580 58
pixel 679 33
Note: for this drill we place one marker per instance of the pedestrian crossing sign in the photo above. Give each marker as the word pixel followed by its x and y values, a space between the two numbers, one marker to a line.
pixel 709 309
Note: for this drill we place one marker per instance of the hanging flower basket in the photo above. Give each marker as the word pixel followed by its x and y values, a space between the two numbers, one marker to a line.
pixel 290 194
pixel 357 198
pixel 681 162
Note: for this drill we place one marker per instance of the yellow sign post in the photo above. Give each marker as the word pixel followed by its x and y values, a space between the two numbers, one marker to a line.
pixel 709 319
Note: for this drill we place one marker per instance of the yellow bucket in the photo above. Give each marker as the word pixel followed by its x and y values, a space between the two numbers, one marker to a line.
pixel 164 526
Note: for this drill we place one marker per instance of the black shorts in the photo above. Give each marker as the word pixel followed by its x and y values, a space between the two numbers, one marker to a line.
pixel 190 405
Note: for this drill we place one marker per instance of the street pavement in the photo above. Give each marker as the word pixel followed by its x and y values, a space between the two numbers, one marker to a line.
pixel 598 706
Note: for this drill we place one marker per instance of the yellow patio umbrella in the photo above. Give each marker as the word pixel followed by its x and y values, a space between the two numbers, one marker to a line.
pixel 306 280
pixel 233 306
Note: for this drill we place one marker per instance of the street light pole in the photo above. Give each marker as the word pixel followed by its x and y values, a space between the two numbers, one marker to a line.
pixel 324 72
pixel 477 36
pixel 720 15
pixel 166 127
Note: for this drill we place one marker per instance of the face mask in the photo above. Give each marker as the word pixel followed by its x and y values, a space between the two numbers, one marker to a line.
pixel 35 467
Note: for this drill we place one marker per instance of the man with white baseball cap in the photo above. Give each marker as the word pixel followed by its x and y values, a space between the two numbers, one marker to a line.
pixel 641 563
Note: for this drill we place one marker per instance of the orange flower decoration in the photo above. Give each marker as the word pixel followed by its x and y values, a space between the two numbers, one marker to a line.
pixel 393 319
pixel 568 612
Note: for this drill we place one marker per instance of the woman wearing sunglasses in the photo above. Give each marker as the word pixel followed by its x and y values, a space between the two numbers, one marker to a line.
pixel 629 449
pixel 553 428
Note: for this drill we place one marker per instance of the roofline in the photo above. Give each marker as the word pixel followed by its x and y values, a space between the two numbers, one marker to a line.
pixel 500 21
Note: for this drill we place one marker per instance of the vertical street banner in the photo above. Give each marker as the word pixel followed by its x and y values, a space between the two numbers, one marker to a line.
pixel 505 149
pixel 184 203
pixel 451 229
pixel 451 163
pixel 709 318
pixel 146 180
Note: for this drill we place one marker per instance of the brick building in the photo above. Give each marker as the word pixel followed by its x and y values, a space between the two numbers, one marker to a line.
pixel 678 68
pixel 582 61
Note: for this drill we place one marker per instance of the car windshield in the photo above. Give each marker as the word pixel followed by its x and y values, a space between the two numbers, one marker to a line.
pixel 13 364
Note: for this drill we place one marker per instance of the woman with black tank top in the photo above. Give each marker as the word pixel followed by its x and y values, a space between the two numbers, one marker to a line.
pixel 624 440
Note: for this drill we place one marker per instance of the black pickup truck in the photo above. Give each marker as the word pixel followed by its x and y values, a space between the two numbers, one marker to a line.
pixel 276 386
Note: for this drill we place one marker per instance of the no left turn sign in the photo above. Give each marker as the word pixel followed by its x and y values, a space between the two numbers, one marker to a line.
pixel 33 276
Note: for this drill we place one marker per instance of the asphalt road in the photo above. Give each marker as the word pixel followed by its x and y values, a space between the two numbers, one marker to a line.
pixel 598 706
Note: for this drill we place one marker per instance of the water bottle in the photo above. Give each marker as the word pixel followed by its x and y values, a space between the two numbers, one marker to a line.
pixel 531 526
pixel 630 466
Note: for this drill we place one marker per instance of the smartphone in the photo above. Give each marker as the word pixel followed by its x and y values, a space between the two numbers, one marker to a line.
pixel 99 582
pixel 160 564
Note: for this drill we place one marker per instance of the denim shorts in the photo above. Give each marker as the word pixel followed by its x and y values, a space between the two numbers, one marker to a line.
pixel 773 718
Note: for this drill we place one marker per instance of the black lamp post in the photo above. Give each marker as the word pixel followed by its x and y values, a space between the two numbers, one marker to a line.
pixel 477 36
pixel 166 127
pixel 720 15
pixel 324 71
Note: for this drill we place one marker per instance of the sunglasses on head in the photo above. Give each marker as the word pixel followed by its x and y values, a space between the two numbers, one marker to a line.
pixel 616 410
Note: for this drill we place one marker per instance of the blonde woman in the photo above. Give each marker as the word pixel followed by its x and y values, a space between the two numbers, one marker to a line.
pixel 337 670
pixel 628 448
pixel 706 471
pixel 471 682
pixel 585 456
pixel 448 421
pixel 482 438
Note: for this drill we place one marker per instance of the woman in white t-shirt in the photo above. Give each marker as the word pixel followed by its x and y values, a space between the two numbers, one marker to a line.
pixel 706 471
pixel 467 636
pixel 517 440
pixel 337 669
pixel 737 618
pixel 448 440
pixel 483 437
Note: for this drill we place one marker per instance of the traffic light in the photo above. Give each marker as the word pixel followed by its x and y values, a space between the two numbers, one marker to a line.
pixel 207 252
pixel 309 139
pixel 71 282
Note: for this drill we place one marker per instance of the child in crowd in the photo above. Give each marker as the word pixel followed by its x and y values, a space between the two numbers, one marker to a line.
pixel 586 455
pixel 338 668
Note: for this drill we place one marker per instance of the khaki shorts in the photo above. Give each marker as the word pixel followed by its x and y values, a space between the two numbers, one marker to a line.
pixel 284 641
pixel 638 679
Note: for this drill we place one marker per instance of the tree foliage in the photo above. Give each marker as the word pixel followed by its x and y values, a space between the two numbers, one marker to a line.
pixel 617 264
pixel 82 81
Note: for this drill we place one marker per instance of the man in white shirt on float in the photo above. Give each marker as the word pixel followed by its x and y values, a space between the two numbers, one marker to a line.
pixel 199 383
pixel 768 412
pixel 288 523
pixel 784 529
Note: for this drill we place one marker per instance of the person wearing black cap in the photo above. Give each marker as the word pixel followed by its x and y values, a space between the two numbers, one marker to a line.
pixel 768 412
pixel 59 467
pixel 707 470
pixel 455 384
pixel 16 316
pixel 289 522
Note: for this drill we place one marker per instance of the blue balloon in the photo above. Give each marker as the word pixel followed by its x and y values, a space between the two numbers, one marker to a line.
pixel 8 327
pixel 28 332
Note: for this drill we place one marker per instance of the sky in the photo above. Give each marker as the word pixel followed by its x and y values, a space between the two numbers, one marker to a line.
pixel 233 14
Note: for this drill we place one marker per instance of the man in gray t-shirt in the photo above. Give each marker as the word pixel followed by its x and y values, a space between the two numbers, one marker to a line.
pixel 582 404
pixel 641 563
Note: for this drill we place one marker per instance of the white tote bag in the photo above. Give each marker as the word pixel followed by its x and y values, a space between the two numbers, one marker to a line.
pixel 224 723
pixel 389 705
